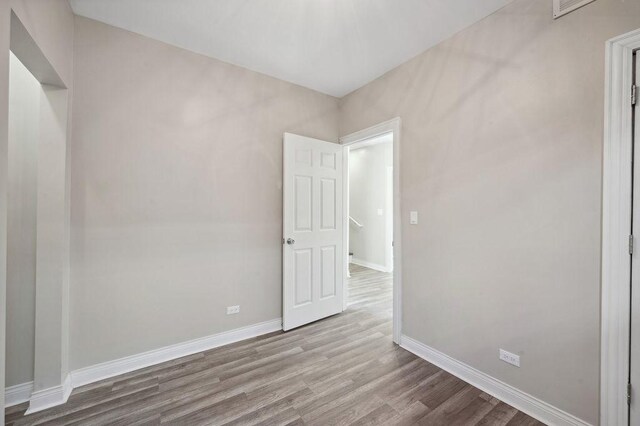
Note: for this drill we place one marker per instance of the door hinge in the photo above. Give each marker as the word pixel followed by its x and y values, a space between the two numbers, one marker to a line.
pixel 628 393
pixel 630 244
pixel 634 94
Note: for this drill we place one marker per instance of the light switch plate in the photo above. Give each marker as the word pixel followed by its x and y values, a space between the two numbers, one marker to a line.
pixel 379 212
pixel 413 218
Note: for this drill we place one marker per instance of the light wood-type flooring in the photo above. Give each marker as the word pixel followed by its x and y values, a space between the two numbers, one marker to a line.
pixel 343 370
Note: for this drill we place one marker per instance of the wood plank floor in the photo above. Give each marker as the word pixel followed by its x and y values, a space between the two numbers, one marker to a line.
pixel 343 370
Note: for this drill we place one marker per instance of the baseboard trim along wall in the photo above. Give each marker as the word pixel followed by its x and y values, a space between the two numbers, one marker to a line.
pixel 58 395
pixel 369 265
pixel 47 398
pixel 108 369
pixel 14 395
pixel 524 402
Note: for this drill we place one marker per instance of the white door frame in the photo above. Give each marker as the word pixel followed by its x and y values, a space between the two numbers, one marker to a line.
pixel 391 126
pixel 616 227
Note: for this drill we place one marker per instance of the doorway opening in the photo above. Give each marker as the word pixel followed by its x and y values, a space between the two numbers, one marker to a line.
pixel 38 226
pixel 22 152
pixel 371 221
pixel 315 249
pixel 620 306
pixel 370 234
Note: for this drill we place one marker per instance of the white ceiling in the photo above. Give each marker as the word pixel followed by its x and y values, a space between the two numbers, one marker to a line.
pixel 332 46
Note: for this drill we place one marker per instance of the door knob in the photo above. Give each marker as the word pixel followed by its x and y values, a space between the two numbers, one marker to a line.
pixel 290 241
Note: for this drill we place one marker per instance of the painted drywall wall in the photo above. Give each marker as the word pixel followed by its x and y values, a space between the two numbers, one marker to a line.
pixel 36 230
pixel 50 23
pixel 5 27
pixel 370 203
pixel 24 111
pixel 52 305
pixel 176 192
pixel 501 155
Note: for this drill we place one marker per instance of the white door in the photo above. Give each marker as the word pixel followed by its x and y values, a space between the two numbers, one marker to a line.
pixel 312 241
pixel 634 374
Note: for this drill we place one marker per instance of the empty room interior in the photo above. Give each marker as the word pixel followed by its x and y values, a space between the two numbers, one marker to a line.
pixel 320 212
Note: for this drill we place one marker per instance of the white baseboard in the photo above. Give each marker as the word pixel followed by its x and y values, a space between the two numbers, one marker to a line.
pixel 57 395
pixel 47 398
pixel 369 265
pixel 524 402
pixel 17 394
pixel 109 369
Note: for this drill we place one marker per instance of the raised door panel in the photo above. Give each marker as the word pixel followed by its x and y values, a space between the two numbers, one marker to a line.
pixel 303 277
pixel 328 271
pixel 328 160
pixel 303 204
pixel 328 204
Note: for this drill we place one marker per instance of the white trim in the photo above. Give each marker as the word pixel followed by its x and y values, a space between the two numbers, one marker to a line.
pixel 616 227
pixel 388 226
pixel 57 395
pixel 524 402
pixel 345 229
pixel 50 397
pixel 370 265
pixel 394 126
pixel 109 369
pixel 17 394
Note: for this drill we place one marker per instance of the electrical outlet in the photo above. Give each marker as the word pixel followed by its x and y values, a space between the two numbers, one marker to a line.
pixel 510 358
pixel 233 310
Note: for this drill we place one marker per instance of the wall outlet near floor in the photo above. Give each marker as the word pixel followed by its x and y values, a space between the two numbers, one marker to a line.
pixel 510 358
pixel 233 310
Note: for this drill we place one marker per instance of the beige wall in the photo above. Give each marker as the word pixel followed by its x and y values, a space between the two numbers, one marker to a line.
pixel 5 26
pixel 370 190
pixel 36 228
pixel 176 192
pixel 501 154
pixel 50 24
pixel 52 301
pixel 24 110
